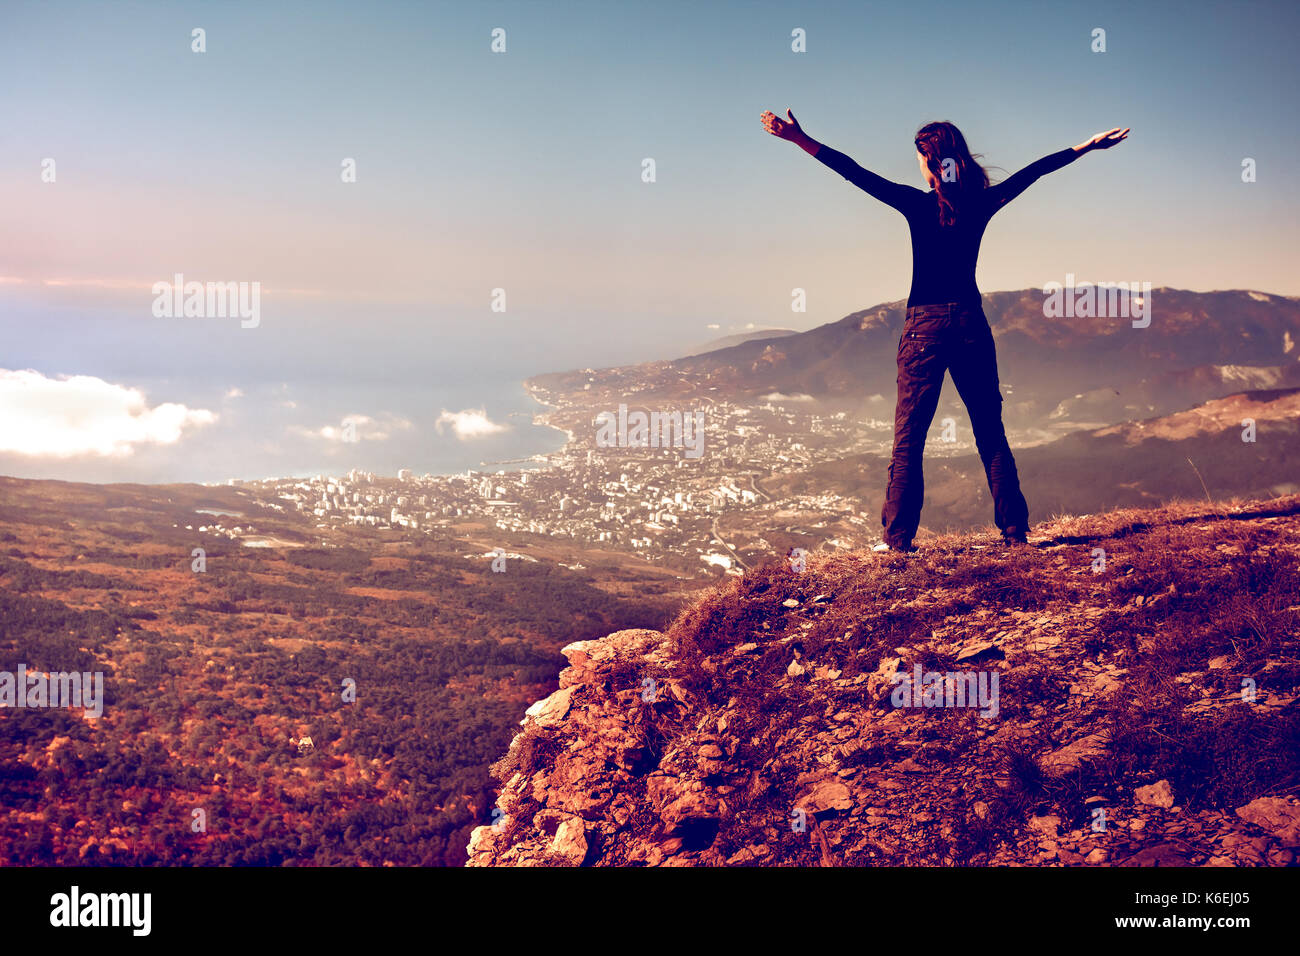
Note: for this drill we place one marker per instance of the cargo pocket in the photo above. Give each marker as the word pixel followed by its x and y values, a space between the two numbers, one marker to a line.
pixel 914 348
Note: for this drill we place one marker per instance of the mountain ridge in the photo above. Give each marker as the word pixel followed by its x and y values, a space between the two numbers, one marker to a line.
pixel 765 727
pixel 1199 346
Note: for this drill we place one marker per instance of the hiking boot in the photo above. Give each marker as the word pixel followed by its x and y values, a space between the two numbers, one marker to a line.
pixel 1015 537
pixel 908 548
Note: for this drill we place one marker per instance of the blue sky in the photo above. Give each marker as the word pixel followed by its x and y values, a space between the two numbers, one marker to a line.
pixel 521 170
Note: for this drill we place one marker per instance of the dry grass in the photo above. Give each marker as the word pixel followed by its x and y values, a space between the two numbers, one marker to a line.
pixel 1183 584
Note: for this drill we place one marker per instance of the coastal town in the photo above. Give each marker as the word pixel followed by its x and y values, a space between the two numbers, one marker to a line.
pixel 666 500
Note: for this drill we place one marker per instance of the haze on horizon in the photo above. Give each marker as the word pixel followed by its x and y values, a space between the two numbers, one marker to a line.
pixel 522 170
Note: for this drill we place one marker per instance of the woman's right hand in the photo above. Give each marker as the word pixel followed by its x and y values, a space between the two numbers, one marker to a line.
pixel 1104 140
pixel 785 129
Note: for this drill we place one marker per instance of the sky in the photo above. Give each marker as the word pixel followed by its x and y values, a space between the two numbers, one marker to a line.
pixel 522 171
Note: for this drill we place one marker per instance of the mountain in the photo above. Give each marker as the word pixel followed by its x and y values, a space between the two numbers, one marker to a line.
pixel 1195 453
pixel 740 338
pixel 1058 373
pixel 1133 685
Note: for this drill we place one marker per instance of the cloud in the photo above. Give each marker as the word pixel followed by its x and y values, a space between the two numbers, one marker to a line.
pixel 235 393
pixel 469 423
pixel 75 415
pixel 90 282
pixel 363 428
pixel 131 284
pixel 778 397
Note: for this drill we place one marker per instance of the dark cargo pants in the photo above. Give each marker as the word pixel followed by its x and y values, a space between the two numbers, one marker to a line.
pixel 953 337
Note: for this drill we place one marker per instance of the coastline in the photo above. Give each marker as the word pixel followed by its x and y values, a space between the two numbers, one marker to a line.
pixel 543 419
pixel 538 461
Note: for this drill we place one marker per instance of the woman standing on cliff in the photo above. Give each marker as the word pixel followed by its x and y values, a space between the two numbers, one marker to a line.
pixel 945 328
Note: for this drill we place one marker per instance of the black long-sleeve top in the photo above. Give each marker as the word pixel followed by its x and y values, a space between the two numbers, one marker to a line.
pixel 943 257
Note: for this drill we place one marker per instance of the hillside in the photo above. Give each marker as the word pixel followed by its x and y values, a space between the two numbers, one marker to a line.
pixel 1189 454
pixel 211 677
pixel 1058 373
pixel 740 338
pixel 763 727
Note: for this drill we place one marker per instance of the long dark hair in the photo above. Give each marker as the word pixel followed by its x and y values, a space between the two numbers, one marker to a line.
pixel 938 142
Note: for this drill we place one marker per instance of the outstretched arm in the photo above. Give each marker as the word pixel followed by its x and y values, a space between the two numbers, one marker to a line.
pixel 890 193
pixel 1014 185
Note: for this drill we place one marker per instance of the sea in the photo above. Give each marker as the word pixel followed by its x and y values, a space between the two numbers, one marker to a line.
pixel 280 396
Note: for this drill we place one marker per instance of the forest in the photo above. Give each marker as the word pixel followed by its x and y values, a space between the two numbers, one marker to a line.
pixel 407 667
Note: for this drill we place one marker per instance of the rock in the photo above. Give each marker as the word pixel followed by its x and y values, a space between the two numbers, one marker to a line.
pixel 1097 856
pixel 1277 816
pixel 480 840
pixel 551 711
pixel 789 602
pixel 1158 794
pixel 1249 855
pixel 578 652
pixel 686 807
pixel 795 669
pixel 1104 685
pixel 823 794
pixel 1164 854
pixel 633 641
pixel 1068 758
pixel 570 841
pixel 880 683
pixel 1048 825
pixel 748 855
pixel 980 651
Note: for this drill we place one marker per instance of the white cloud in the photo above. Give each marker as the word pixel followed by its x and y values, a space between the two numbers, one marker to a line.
pixel 235 393
pixel 778 397
pixel 469 423
pixel 364 428
pixel 98 283
pixel 76 415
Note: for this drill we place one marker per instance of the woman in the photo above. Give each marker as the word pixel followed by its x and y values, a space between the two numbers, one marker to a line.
pixel 945 329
